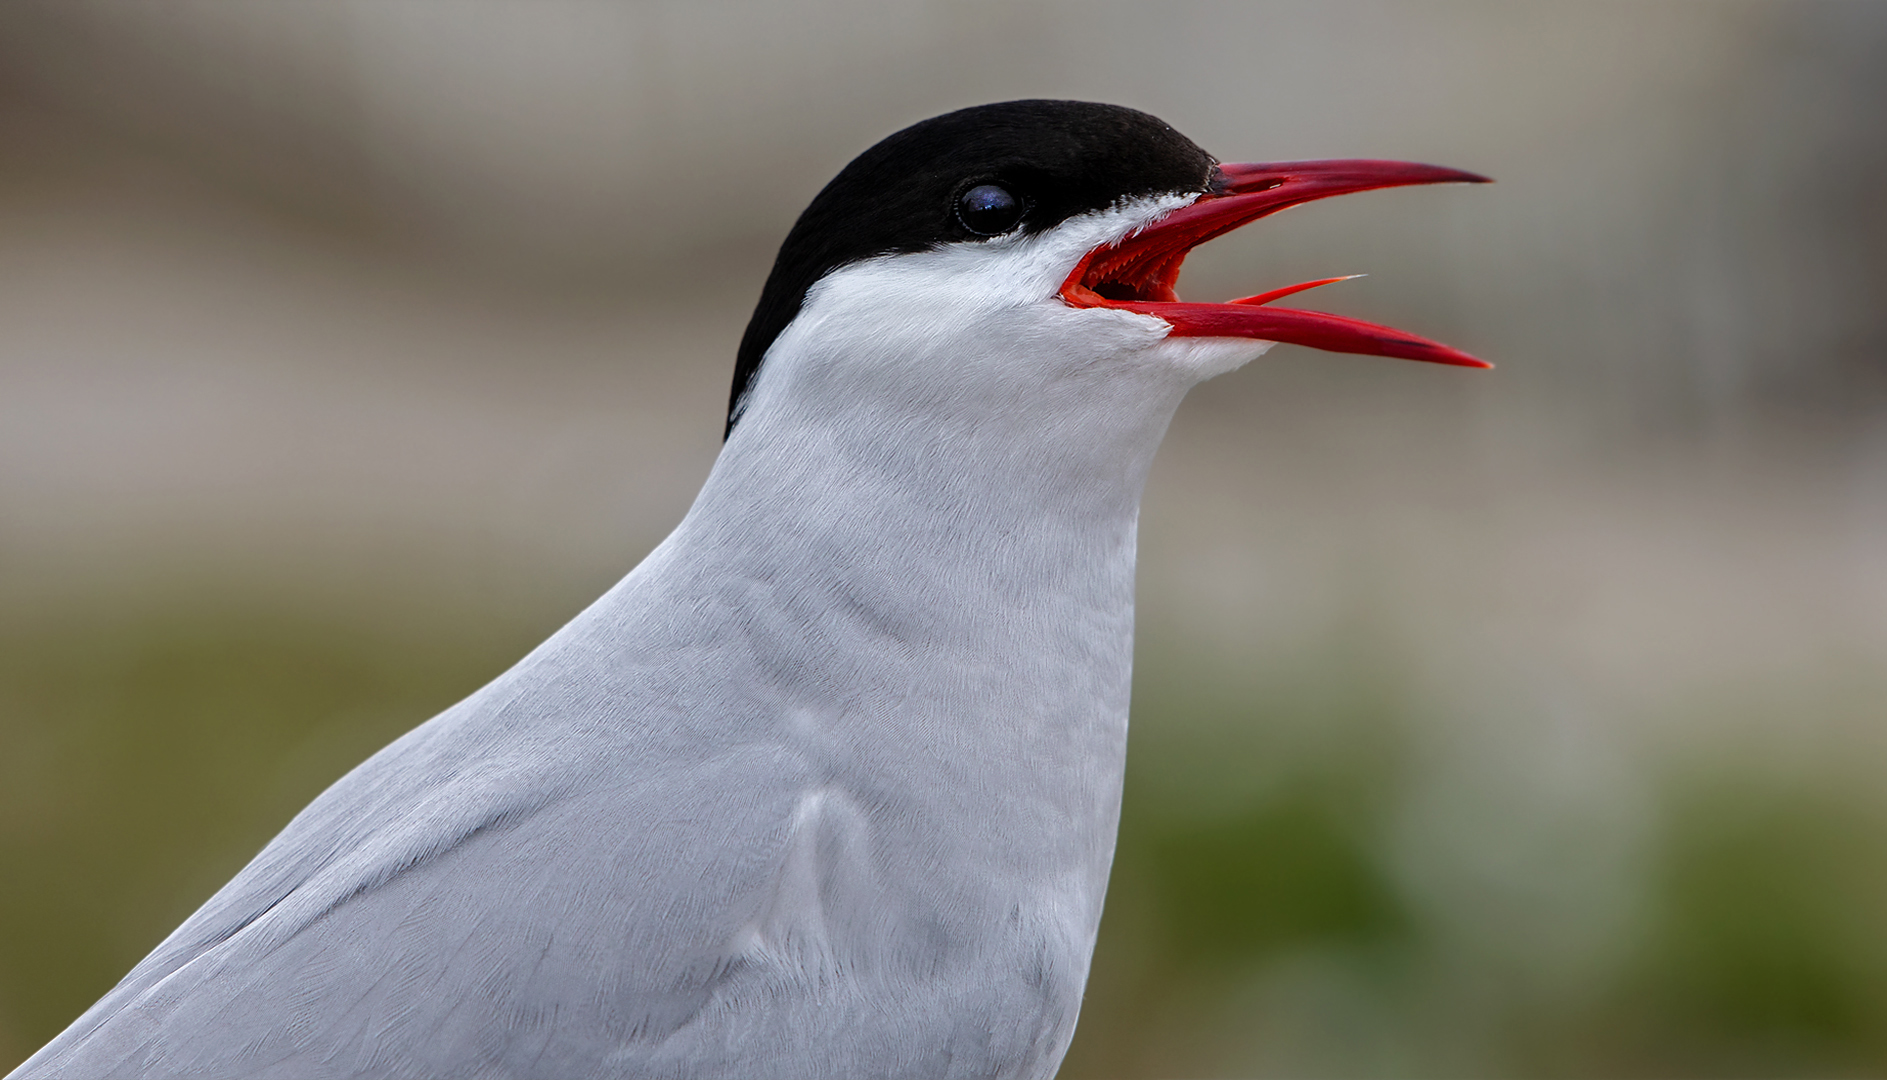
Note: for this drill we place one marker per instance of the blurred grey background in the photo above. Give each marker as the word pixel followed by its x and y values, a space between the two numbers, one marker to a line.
pixel 1516 723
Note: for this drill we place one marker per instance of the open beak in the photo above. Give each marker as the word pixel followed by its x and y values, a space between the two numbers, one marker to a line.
pixel 1137 273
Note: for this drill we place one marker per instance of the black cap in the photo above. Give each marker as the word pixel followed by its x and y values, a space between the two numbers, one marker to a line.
pixel 928 185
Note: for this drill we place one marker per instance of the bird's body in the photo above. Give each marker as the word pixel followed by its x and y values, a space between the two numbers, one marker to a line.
pixel 827 786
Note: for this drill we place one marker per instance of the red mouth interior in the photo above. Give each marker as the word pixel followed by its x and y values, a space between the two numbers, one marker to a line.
pixel 1110 277
pixel 1143 272
pixel 1124 274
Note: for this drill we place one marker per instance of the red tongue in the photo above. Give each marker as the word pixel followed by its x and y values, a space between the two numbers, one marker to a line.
pixel 1264 298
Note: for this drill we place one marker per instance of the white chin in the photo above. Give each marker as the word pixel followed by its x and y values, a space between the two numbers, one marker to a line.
pixel 1204 357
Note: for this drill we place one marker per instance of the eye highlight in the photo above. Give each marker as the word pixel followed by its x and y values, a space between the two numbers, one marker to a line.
pixel 989 209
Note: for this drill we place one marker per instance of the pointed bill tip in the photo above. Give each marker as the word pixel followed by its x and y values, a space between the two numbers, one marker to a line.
pixel 1467 361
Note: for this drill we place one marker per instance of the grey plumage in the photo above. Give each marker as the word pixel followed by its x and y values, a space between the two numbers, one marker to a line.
pixel 842 757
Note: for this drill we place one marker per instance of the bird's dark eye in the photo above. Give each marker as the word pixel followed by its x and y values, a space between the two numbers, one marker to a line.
pixel 989 209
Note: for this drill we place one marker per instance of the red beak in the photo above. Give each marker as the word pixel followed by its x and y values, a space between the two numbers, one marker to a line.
pixel 1137 274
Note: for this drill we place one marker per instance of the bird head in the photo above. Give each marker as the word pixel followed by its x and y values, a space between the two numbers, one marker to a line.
pixel 953 255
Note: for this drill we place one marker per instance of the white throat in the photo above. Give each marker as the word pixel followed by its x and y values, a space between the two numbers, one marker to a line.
pixel 955 434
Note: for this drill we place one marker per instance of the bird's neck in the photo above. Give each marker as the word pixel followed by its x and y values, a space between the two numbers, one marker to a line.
pixel 960 530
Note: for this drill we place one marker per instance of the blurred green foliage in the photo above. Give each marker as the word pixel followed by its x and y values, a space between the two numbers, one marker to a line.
pixel 1767 953
pixel 1259 922
pixel 147 751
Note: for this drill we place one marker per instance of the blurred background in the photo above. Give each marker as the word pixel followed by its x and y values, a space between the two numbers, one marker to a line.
pixel 1523 723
